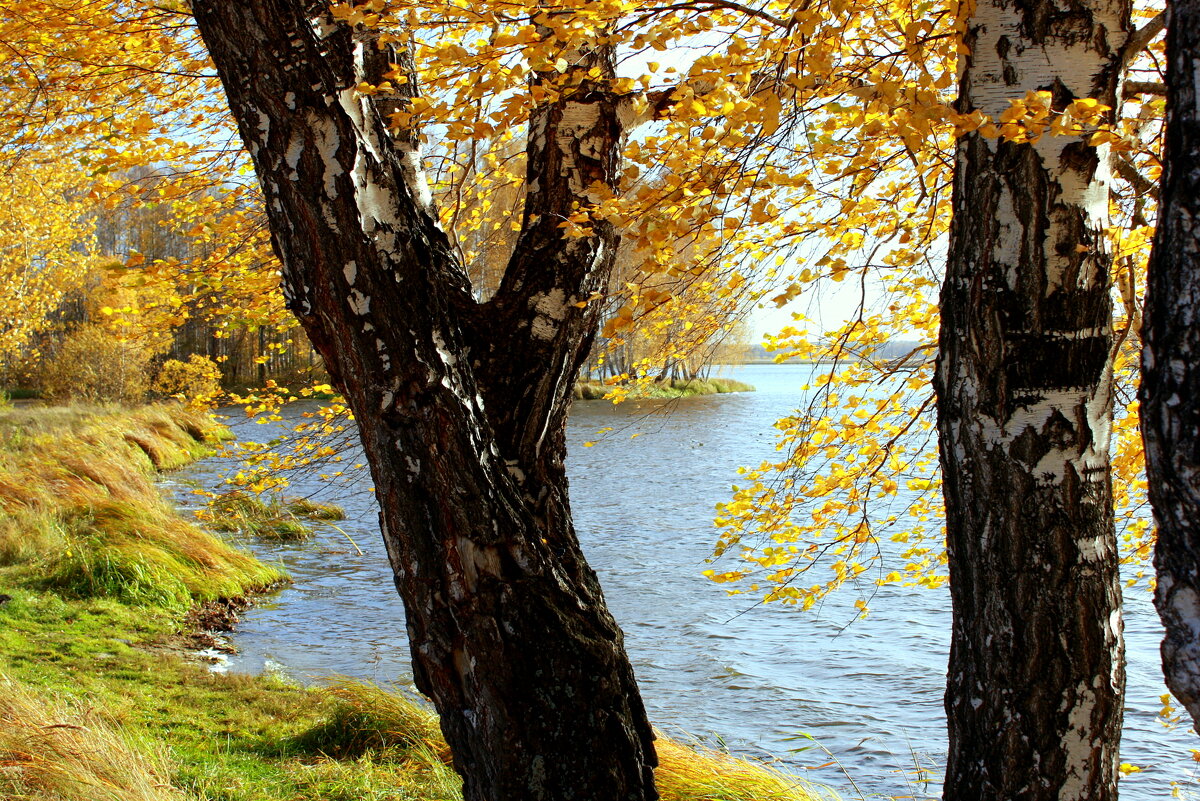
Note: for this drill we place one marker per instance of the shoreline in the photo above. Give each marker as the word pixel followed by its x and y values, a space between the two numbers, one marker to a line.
pixel 96 665
pixel 669 389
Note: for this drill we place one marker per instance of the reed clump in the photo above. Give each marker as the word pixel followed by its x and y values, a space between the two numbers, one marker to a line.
pixel 271 517
pixel 314 510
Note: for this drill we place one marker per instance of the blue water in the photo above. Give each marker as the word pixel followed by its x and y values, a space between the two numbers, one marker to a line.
pixel 748 677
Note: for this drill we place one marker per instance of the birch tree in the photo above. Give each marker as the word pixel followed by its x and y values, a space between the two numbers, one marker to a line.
pixel 1024 399
pixel 1170 391
pixel 461 406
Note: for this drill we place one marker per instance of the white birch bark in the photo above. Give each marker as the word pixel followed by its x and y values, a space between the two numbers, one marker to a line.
pixel 1036 675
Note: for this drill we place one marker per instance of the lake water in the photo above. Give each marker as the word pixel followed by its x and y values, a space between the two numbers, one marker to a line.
pixel 735 675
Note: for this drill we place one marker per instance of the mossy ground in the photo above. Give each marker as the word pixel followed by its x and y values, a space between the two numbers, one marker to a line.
pixel 99 702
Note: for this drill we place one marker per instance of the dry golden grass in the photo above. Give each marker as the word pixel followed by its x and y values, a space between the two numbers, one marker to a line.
pixel 696 773
pixel 50 752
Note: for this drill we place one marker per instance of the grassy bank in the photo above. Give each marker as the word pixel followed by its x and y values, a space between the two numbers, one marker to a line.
pixel 81 516
pixel 99 697
pixel 679 388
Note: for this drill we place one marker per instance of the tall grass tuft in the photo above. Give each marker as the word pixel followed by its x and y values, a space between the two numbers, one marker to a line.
pixel 143 554
pixel 370 723
pixel 271 517
pixel 80 514
pixel 370 718
pixel 49 752
pixel 695 773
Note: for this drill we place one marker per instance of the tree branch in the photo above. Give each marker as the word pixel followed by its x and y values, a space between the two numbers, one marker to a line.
pixel 731 6
pixel 1131 89
pixel 1140 183
pixel 361 230
pixel 1140 39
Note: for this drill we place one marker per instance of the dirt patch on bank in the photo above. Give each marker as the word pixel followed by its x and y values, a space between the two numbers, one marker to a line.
pixel 199 636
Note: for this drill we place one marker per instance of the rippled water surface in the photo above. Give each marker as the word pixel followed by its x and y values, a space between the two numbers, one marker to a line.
pixel 751 678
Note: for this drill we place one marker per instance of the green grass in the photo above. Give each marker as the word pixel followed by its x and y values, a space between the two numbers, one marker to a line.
pixel 231 737
pixel 98 698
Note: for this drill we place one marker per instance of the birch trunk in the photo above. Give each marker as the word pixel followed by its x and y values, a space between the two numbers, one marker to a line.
pixel 1170 390
pixel 1036 675
pixel 461 406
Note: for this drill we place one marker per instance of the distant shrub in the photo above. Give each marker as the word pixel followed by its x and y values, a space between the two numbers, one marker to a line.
pixel 93 366
pixel 198 380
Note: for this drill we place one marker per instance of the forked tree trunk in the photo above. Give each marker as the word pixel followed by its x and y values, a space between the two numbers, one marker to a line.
pixel 461 406
pixel 1036 676
pixel 1170 390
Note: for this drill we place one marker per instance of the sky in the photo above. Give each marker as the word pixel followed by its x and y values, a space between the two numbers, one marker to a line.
pixel 827 306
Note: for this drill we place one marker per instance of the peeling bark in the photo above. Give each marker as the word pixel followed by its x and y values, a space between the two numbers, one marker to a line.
pixel 1170 391
pixel 461 406
pixel 1036 675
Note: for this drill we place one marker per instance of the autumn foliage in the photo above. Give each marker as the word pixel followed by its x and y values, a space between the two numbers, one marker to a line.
pixel 781 148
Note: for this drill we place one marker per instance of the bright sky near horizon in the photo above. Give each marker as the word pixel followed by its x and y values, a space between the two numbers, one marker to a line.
pixel 833 306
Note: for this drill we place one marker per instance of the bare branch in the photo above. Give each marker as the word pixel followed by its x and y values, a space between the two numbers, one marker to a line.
pixel 1138 40
pixel 1131 89
pixel 1140 183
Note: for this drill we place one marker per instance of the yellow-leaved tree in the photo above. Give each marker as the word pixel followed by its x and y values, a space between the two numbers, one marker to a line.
pixel 731 149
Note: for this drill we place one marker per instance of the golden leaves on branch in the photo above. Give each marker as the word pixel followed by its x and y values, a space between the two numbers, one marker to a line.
pixel 781 148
